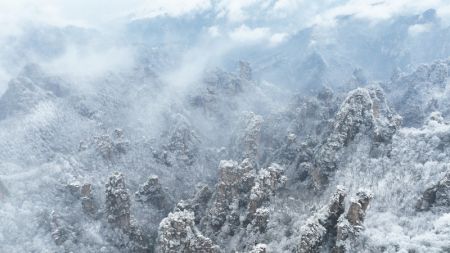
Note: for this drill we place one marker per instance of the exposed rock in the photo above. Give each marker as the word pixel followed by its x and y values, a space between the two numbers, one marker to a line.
pixel 437 195
pixel 177 233
pixel 266 184
pixel 322 225
pixel 232 190
pixel 200 201
pixel 84 193
pixel 237 205
pixel 117 205
pixel 365 111
pixel 349 226
pixel 246 142
pixel 358 207
pixel 152 192
pixel 117 208
pixel 331 231
pixel 109 145
pixel 183 142
pixel 88 203
pixel 74 188
pixel 414 94
pixel 198 204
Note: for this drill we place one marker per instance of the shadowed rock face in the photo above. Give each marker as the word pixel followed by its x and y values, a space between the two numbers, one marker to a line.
pixel 152 192
pixel 322 225
pixel 437 195
pixel 117 204
pixel 117 209
pixel 414 95
pixel 364 111
pixel 266 184
pixel 235 207
pixel 349 226
pixel 329 229
pixel 241 191
pixel 88 202
pixel 358 207
pixel 232 192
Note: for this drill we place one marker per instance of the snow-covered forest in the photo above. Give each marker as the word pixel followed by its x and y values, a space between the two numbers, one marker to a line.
pixel 224 126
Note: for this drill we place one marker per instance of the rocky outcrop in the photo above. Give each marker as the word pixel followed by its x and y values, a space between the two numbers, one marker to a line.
pixel 110 145
pixel 117 203
pixel 437 195
pixel 266 184
pixel 330 230
pixel 241 192
pixel 358 207
pixel 414 94
pixel 182 142
pixel 84 193
pixel 364 111
pixel 88 203
pixel 236 207
pixel 117 209
pixel 231 194
pixel 152 192
pixel 178 233
pixel 60 230
pixel 322 225
pixel 349 226
pixel 246 141
pixel 198 204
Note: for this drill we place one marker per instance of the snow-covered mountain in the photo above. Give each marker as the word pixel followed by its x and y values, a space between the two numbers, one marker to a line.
pixel 210 132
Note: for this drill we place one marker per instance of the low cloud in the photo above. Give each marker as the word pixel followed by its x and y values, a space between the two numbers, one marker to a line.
pixel 90 63
pixel 376 10
pixel 246 35
pixel 417 29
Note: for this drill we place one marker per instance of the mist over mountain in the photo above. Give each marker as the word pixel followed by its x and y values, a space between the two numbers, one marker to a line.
pixel 224 126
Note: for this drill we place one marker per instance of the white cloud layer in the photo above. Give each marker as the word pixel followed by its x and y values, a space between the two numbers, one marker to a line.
pixel 376 10
pixel 417 29
pixel 246 35
pixel 14 13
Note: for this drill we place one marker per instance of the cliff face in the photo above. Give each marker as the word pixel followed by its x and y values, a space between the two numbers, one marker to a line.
pixel 364 112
